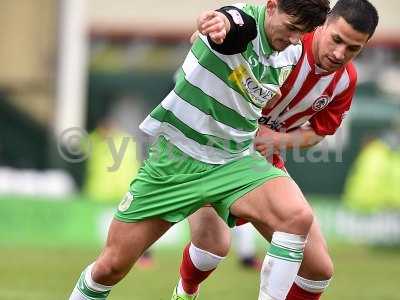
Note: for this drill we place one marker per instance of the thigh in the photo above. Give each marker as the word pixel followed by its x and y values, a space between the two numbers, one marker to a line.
pixel 273 206
pixel 209 232
pixel 232 181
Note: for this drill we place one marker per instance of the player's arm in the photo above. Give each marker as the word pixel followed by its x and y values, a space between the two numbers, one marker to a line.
pixel 324 123
pixel 269 141
pixel 229 29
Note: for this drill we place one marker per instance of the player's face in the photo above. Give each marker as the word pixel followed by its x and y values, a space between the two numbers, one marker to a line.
pixel 281 29
pixel 336 43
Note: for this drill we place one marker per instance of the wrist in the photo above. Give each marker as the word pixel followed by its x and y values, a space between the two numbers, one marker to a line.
pixel 279 140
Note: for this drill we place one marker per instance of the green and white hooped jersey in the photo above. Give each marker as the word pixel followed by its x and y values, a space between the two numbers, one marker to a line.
pixel 213 110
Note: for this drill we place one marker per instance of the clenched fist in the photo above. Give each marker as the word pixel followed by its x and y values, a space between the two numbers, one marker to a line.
pixel 214 24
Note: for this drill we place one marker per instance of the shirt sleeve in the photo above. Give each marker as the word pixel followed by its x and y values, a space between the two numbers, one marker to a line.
pixel 327 121
pixel 243 30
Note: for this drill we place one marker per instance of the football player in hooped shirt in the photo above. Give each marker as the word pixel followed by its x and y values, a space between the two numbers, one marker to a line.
pixel 203 151
pixel 314 99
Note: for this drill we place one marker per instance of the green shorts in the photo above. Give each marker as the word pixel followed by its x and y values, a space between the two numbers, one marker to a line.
pixel 172 185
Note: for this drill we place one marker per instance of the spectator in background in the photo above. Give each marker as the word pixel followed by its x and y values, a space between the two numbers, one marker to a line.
pixel 112 163
pixel 373 181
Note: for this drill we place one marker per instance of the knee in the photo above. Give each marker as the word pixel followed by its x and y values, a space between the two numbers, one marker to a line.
pixel 300 219
pixel 109 271
pixel 296 220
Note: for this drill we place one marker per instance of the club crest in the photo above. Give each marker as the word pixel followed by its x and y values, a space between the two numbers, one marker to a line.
pixel 126 202
pixel 320 103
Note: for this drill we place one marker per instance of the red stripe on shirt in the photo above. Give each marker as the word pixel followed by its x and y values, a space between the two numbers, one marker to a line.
pixel 310 111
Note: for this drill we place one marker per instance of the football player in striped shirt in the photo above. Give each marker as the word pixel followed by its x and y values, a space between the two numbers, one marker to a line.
pixel 204 154
pixel 314 99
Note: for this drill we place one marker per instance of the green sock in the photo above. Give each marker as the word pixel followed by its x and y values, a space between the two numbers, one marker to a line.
pixel 87 289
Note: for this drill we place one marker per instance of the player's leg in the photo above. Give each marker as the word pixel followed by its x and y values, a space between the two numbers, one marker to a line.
pixel 166 187
pixel 210 242
pixel 312 279
pixel 316 269
pixel 209 232
pixel 281 214
pixel 125 243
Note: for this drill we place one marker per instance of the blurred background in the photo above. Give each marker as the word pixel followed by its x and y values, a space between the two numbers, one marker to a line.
pixel 76 79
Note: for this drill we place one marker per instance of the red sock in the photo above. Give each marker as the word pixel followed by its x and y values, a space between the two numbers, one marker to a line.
pixel 190 275
pixel 297 293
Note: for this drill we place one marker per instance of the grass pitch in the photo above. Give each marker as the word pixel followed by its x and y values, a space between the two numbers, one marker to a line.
pixel 49 274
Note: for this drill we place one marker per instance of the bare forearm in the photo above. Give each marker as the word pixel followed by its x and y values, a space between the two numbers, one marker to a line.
pixel 299 138
pixel 269 141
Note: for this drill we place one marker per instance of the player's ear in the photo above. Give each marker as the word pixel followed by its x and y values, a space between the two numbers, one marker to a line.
pixel 272 6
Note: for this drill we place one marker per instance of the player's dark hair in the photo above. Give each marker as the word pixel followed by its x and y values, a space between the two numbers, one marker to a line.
pixel 308 13
pixel 360 14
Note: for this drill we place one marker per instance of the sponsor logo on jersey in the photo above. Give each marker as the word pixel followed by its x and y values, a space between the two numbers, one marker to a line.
pixel 263 120
pixel 258 93
pixel 320 103
pixel 273 124
pixel 236 16
pixel 126 202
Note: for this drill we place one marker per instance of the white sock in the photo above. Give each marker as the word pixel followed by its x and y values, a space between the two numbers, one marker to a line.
pixel 281 265
pixel 312 286
pixel 77 295
pixel 87 289
pixel 202 260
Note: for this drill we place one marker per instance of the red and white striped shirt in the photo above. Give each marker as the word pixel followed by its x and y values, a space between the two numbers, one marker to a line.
pixel 321 98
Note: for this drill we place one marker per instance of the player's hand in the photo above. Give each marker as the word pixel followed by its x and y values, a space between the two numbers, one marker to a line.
pixel 194 36
pixel 265 131
pixel 214 24
pixel 264 141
